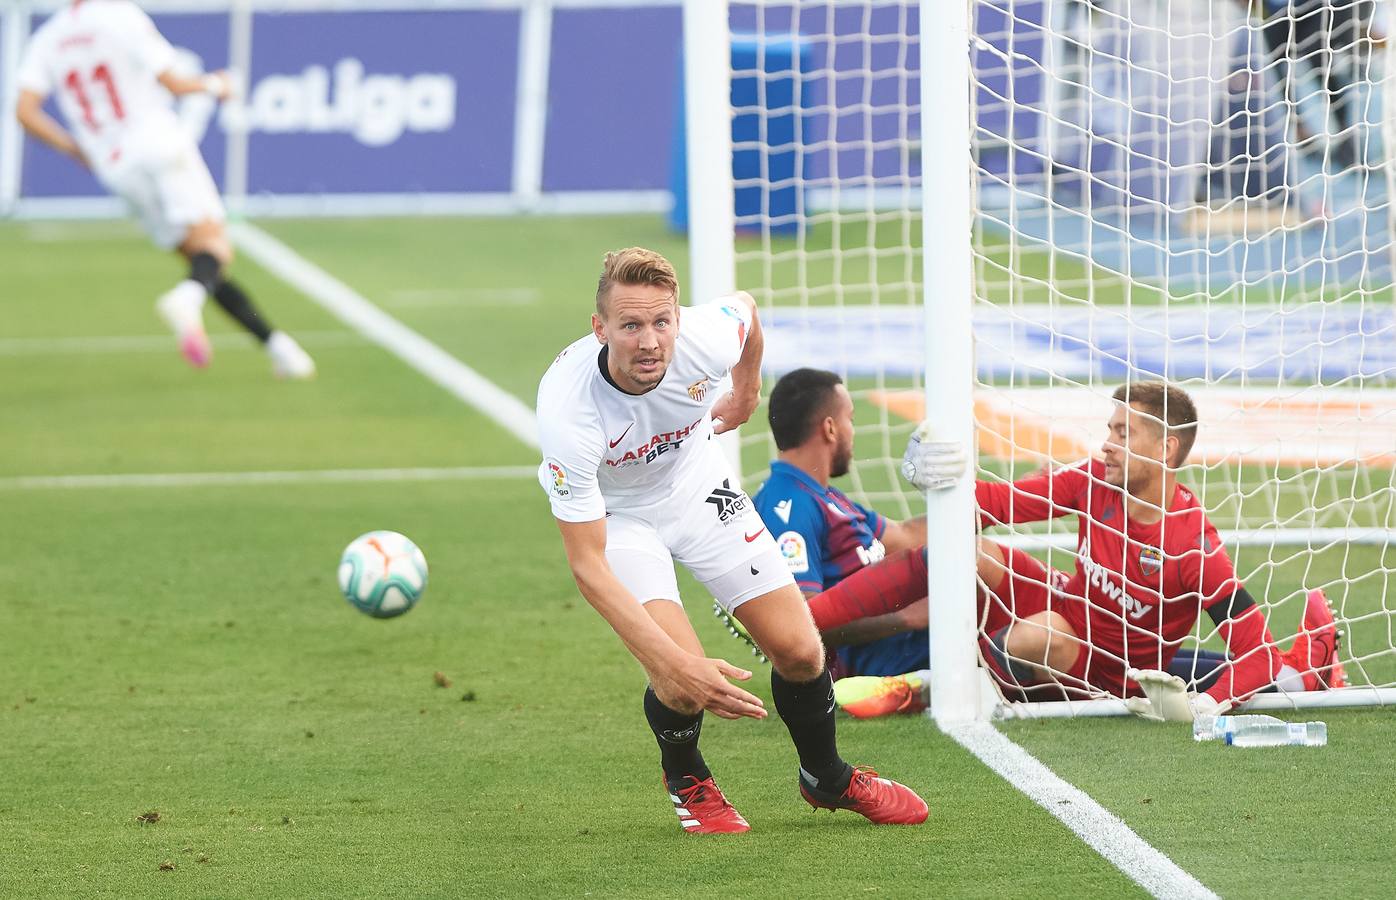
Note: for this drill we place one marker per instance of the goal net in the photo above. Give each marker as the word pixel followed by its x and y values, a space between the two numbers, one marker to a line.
pixel 1177 189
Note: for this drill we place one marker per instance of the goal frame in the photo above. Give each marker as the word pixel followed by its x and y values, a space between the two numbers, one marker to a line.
pixel 961 691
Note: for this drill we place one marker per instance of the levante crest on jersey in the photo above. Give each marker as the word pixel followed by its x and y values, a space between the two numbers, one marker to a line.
pixel 1150 560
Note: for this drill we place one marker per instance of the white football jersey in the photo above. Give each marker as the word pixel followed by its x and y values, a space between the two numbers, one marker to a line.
pixel 102 59
pixel 606 449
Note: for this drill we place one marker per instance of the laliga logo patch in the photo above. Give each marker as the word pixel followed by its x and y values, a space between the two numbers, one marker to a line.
pixel 792 548
pixel 698 390
pixel 559 479
pixel 1151 560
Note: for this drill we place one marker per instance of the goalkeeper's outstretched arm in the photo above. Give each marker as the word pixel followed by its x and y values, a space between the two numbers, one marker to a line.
pixel 1255 658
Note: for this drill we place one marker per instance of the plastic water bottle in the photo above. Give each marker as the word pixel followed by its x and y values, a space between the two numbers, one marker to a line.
pixel 1283 734
pixel 1259 731
pixel 1217 728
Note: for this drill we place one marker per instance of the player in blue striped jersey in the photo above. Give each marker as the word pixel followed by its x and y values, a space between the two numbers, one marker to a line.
pixel 823 535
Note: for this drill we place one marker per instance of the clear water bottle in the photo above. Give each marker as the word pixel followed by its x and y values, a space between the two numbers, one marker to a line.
pixel 1282 734
pixel 1216 728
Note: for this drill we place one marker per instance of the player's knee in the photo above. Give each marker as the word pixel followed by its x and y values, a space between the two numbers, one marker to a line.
pixel 1028 641
pixel 800 663
pixel 1047 643
pixel 208 238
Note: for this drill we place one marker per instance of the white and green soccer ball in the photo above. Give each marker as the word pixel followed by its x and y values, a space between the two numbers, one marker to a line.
pixel 382 573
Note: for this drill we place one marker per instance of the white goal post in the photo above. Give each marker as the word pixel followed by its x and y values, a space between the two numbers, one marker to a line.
pixel 995 212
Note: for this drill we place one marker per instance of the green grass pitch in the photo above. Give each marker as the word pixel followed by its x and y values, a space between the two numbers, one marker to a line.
pixel 189 708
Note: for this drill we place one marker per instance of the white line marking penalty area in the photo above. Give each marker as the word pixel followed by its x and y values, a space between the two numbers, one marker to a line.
pixel 211 479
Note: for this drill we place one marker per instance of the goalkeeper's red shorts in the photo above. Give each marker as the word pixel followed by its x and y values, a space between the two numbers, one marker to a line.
pixel 1031 588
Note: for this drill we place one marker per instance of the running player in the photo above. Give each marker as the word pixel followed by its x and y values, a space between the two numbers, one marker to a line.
pixel 627 415
pixel 1148 562
pixel 114 74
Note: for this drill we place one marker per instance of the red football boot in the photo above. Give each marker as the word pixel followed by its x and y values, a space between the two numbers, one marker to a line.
pixel 879 800
pixel 1315 651
pixel 703 810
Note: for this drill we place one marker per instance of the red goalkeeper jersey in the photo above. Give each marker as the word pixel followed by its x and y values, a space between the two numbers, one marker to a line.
pixel 1144 584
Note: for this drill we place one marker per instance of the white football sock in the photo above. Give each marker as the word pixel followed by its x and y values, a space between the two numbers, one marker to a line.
pixel 1289 679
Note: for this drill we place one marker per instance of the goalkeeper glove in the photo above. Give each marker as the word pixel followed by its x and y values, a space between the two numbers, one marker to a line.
pixel 932 465
pixel 1167 699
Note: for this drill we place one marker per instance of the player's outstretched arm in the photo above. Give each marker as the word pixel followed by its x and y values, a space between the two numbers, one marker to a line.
pixel 737 405
pixel 220 84
pixel 29 109
pixel 681 679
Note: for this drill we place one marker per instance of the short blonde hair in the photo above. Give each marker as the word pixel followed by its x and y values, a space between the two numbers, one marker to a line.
pixel 634 265
pixel 1170 407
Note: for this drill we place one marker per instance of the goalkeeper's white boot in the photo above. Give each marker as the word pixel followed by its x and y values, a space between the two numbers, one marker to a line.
pixel 182 308
pixel 288 360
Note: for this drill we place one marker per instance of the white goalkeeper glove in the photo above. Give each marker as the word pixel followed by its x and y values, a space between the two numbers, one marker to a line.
pixel 932 465
pixel 1167 699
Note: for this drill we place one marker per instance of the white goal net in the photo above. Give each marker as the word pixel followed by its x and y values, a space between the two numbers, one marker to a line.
pixel 1193 190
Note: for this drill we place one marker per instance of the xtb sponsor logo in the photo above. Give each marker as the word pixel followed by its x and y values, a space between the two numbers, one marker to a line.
pixel 376 109
pixel 729 502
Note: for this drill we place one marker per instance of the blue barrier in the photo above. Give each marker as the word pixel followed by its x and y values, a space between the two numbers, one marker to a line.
pixel 769 88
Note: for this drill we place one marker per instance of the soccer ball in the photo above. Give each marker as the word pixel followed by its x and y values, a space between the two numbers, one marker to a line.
pixel 382 573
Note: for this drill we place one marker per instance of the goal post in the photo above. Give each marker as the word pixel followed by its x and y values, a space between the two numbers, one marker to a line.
pixel 946 298
pixel 993 213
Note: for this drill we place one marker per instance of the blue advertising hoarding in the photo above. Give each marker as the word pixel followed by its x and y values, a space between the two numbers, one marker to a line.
pixel 382 102
pixel 608 123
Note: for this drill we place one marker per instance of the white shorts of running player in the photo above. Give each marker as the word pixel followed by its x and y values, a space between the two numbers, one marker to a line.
pixel 167 185
pixel 712 528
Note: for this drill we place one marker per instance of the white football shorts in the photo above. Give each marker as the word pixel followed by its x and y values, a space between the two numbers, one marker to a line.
pixel 709 525
pixel 168 187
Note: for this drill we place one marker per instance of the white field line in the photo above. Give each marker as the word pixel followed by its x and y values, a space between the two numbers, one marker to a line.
pixel 358 313
pixel 155 343
pixel 1102 830
pixel 320 476
pixel 431 298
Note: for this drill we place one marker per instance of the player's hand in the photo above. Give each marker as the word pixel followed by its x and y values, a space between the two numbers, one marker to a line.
pixel 221 84
pixel 733 410
pixel 703 682
pixel 1167 699
pixel 932 465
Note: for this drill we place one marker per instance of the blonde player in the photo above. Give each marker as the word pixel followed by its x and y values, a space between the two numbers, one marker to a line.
pixel 114 77
pixel 627 416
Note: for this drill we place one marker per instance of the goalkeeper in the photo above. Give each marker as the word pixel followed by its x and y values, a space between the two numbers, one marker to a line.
pixel 1148 561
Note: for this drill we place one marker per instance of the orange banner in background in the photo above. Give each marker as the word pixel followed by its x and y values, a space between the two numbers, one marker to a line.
pixel 1317 428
